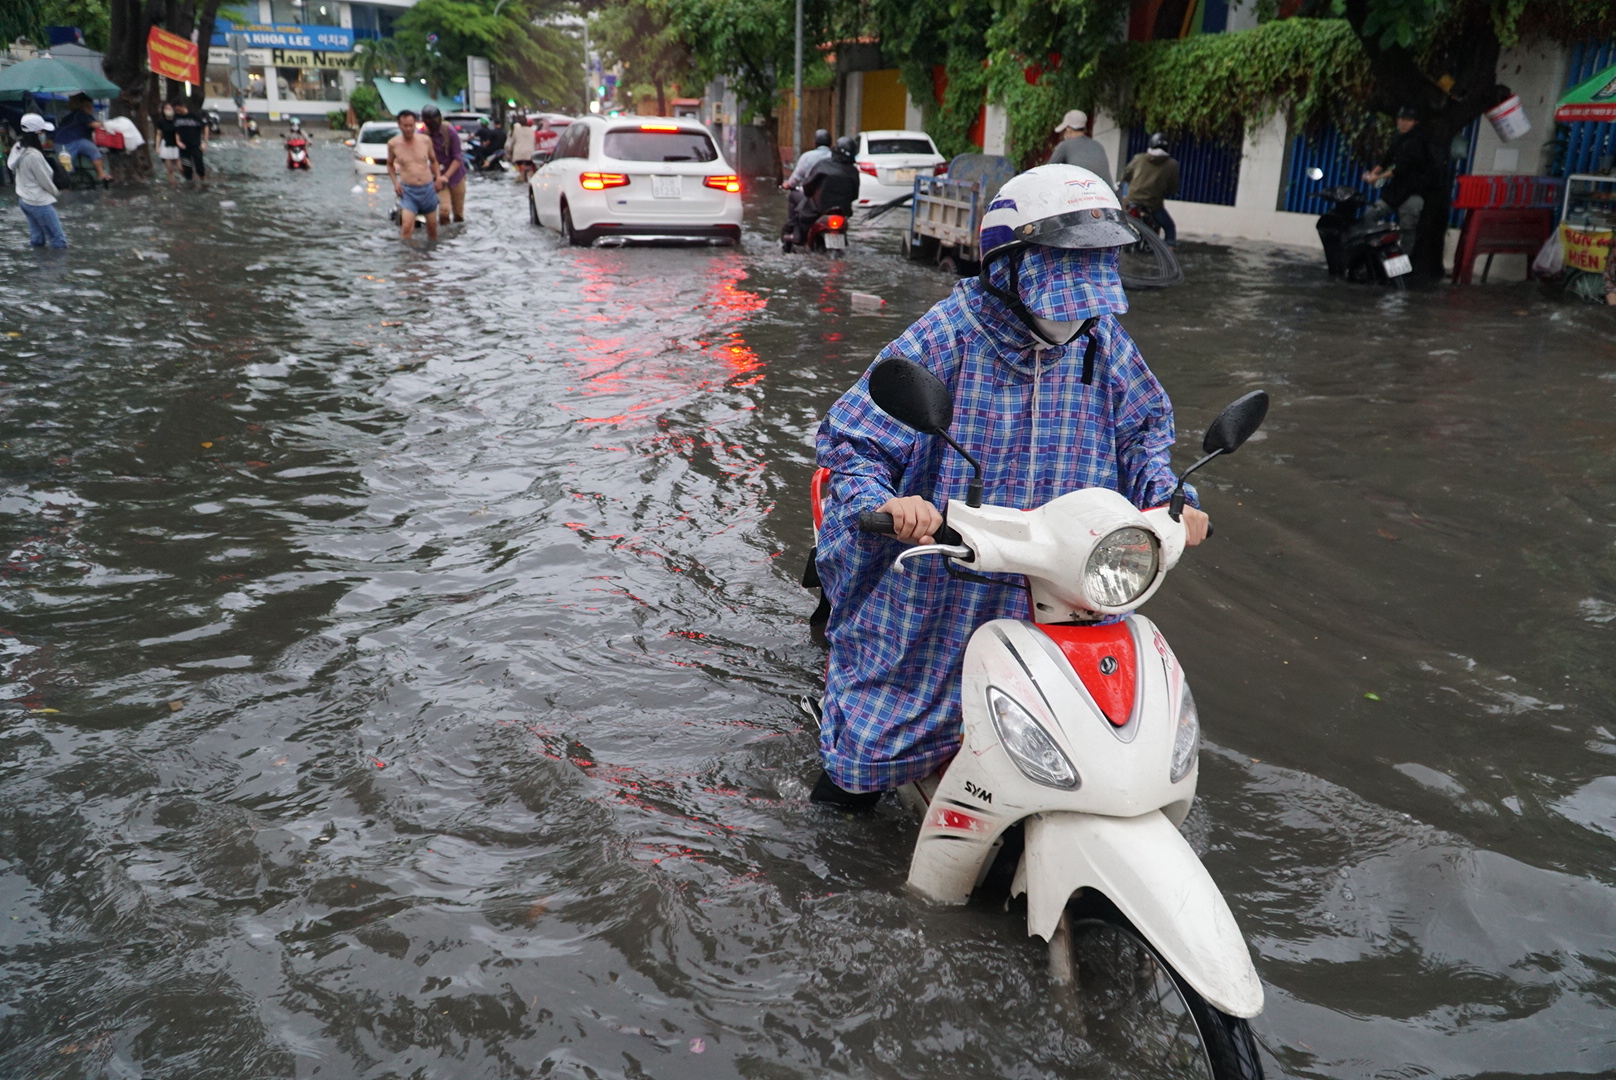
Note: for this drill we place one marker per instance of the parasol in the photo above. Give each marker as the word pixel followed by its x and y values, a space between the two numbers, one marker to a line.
pixel 47 75
pixel 1592 100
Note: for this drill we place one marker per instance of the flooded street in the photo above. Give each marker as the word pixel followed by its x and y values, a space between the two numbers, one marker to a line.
pixel 404 654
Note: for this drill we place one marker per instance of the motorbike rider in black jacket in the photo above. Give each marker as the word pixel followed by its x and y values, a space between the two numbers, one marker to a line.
pixel 832 187
pixel 1414 172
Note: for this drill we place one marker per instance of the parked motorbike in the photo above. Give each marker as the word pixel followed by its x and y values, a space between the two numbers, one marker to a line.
pixel 1355 249
pixel 1083 736
pixel 297 151
pixel 212 118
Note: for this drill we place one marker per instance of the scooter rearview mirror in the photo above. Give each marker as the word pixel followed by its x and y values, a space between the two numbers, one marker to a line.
pixel 911 395
pixel 916 398
pixel 1315 173
pixel 1236 423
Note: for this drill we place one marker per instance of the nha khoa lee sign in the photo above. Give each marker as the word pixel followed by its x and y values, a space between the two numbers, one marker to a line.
pixel 172 56
pixel 1586 249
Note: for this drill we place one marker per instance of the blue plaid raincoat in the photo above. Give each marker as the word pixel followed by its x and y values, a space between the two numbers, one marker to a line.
pixel 891 712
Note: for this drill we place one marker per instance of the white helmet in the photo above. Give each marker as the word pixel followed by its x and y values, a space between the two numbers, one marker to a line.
pixel 1059 206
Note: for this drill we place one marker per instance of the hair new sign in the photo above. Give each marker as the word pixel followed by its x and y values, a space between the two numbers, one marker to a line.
pixel 172 56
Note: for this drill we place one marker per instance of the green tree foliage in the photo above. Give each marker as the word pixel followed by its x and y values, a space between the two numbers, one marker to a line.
pixel 923 35
pixel 644 38
pixel 29 18
pixel 532 59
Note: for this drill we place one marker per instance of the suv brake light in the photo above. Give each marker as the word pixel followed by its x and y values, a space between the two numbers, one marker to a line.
pixel 867 168
pixel 723 183
pixel 600 181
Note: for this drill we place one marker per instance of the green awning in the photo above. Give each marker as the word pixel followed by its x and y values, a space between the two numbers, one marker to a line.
pixel 47 75
pixel 1592 100
pixel 409 95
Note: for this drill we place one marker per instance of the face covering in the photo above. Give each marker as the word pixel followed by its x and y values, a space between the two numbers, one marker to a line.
pixel 1055 332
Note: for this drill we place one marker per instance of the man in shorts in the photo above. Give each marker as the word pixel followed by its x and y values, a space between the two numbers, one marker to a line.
pixel 413 168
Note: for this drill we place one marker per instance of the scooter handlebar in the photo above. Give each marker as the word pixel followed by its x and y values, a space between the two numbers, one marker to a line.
pixel 873 521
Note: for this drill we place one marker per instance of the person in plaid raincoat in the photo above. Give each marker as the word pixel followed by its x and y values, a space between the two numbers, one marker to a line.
pixel 1051 395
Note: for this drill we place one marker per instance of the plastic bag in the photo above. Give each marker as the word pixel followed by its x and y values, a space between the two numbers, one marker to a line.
pixel 1550 261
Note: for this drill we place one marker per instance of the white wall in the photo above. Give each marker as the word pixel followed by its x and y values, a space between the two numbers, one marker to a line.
pixel 913 118
pixel 1242 15
pixel 1537 73
pixel 996 130
pixel 1113 139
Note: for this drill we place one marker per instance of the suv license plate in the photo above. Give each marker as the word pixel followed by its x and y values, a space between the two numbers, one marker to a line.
pixel 665 187
pixel 1398 265
pixel 835 241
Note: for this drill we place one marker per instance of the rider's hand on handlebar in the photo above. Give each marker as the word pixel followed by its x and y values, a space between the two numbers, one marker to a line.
pixel 1194 526
pixel 914 520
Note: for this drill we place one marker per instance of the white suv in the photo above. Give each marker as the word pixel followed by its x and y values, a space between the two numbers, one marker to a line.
pixel 889 161
pixel 636 178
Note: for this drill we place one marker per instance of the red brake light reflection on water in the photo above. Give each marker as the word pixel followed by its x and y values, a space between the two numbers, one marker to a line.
pixel 723 183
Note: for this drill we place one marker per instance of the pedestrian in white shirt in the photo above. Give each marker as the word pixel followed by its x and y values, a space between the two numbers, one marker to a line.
pixel 36 188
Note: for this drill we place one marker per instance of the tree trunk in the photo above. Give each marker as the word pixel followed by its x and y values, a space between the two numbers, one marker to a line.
pixel 661 99
pixel 125 60
pixel 204 41
pixel 1471 61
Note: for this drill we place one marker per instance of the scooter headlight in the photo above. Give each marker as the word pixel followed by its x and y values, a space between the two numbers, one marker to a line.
pixel 1187 740
pixel 1121 567
pixel 1028 744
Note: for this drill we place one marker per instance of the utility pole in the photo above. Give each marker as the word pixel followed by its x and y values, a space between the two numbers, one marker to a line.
pixel 796 98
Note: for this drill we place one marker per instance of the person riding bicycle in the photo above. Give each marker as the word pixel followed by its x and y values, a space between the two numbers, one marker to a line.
pixel 1152 179
pixel 1051 394
pixel 832 186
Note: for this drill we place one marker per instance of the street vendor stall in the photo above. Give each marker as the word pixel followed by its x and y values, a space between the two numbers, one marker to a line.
pixel 1588 214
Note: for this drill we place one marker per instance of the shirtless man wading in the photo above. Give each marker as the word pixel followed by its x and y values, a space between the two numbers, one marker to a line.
pixel 413 169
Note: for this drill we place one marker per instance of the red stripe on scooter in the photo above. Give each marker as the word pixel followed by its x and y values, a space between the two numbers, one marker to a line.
pixel 942 817
pixel 1086 648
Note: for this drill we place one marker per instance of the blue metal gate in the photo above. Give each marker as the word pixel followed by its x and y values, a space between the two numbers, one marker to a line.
pixel 1331 153
pixel 1208 170
pixel 1588 144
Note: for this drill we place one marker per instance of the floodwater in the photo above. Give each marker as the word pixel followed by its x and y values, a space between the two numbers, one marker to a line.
pixel 404 647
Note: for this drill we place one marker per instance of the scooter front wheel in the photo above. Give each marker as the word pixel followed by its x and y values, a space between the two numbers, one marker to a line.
pixel 1137 1012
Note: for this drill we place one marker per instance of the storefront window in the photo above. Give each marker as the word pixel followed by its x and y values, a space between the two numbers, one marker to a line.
pixel 309 84
pixel 304 12
pixel 219 86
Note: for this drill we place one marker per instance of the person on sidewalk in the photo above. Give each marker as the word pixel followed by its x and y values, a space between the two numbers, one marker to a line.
pixel 36 190
pixel 1076 148
pixel 192 133
pixel 75 135
pixel 1411 171
pixel 413 168
pixel 445 142
pixel 1152 179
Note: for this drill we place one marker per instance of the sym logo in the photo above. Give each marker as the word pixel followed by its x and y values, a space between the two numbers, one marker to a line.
pixel 981 793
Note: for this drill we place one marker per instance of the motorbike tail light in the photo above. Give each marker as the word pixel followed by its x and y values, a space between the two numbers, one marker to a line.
pixel 940 170
pixel 723 183
pixel 867 168
pixel 835 222
pixel 600 181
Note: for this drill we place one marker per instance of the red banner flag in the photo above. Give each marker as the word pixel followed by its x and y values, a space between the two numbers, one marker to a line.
pixel 172 56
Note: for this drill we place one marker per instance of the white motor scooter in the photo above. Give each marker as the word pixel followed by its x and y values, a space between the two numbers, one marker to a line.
pixel 1085 733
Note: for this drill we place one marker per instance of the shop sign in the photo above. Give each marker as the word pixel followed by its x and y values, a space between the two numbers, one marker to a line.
pixel 1586 249
pixel 301 59
pixel 288 36
pixel 171 56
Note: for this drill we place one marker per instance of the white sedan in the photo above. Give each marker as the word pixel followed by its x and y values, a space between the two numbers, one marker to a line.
pixel 636 178
pixel 889 161
pixel 370 147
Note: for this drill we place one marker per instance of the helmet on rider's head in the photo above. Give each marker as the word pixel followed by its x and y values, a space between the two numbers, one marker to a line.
pixel 845 149
pixel 431 112
pixel 1048 243
pixel 821 137
pixel 297 125
pixel 1158 140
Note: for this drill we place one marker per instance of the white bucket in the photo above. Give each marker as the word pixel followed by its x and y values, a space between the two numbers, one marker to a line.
pixel 1509 119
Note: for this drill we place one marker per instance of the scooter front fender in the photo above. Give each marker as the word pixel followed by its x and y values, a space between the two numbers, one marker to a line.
pixel 1144 867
